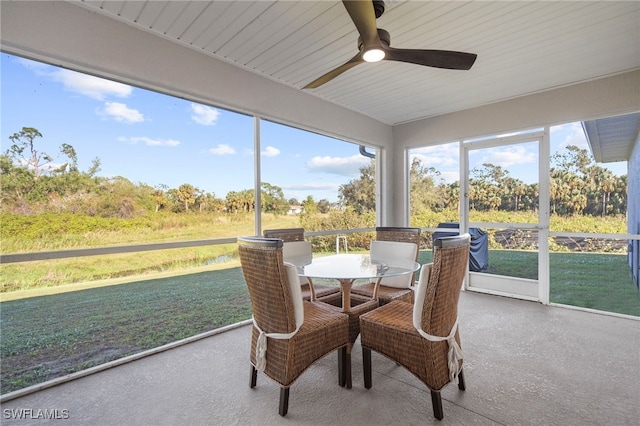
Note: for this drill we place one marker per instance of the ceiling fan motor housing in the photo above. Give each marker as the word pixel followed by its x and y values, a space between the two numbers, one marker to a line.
pixel 384 35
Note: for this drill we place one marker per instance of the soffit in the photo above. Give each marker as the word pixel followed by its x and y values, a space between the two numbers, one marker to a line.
pixel 523 47
pixel 612 139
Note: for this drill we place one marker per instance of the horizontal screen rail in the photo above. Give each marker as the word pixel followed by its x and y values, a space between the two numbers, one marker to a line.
pixel 99 251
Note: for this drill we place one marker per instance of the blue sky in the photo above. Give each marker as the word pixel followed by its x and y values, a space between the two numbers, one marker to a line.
pixel 160 140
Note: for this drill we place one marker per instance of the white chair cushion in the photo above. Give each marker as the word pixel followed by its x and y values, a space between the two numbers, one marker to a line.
pixel 301 249
pixel 296 293
pixel 420 292
pixel 390 252
pixel 296 249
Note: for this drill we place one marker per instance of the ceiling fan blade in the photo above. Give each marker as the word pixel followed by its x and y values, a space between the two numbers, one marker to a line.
pixel 335 72
pixel 364 18
pixel 432 58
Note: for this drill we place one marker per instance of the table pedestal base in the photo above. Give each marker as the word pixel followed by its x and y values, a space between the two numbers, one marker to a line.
pixel 358 306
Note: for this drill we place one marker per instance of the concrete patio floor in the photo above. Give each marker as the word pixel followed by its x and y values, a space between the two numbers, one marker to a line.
pixel 524 363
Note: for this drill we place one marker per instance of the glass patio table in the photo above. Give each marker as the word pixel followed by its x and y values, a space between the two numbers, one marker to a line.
pixel 346 268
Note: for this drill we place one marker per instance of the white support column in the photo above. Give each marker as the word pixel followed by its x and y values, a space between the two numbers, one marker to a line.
pixel 257 176
pixel 544 216
pixel 382 174
pixel 406 193
pixel 464 188
pixel 396 206
pixel 463 199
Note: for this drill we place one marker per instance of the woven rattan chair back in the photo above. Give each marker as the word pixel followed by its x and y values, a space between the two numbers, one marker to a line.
pixel 450 260
pixel 399 234
pixel 285 234
pixel 264 273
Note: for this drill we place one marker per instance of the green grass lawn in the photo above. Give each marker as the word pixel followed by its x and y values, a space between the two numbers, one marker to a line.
pixel 49 336
pixel 588 280
pixel 596 281
pixel 52 332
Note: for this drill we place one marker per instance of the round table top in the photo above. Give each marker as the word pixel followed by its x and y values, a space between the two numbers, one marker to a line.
pixel 351 266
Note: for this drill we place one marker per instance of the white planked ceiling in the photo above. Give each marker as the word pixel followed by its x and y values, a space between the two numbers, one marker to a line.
pixel 523 47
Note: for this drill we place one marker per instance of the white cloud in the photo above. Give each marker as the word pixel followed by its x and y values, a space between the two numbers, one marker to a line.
pixel 222 149
pixel 450 177
pixel 445 155
pixel 436 161
pixel 573 135
pixel 344 166
pixel 510 156
pixel 270 151
pixel 121 112
pixel 87 85
pixel 150 141
pixel 204 115
pixel 93 87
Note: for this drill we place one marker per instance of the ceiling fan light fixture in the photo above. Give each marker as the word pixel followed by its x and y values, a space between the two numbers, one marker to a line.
pixel 373 55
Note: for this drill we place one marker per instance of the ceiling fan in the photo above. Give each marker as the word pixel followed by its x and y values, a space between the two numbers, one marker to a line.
pixel 374 45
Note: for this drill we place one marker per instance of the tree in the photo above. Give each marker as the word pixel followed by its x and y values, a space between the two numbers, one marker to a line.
pixel 514 189
pixel 574 160
pixel 24 152
pixel 310 206
pixel 213 204
pixel 273 200
pixel 186 195
pixel 160 198
pixel 324 206
pixel 16 182
pixel 579 186
pixel 603 183
pixel 360 194
pixel 239 202
pixel 451 194
pixel 30 182
pixel 425 188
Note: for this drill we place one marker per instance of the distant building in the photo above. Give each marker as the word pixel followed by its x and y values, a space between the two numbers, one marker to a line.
pixel 295 210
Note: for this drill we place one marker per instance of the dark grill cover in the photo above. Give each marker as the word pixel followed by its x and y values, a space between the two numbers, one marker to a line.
pixel 479 251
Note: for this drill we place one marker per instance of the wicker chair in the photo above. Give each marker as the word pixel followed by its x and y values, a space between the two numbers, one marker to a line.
pixel 295 245
pixel 296 332
pixel 423 336
pixel 386 294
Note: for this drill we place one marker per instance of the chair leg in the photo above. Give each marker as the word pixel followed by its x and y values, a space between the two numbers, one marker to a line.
pixel 436 400
pixel 347 368
pixel 461 384
pixel 342 376
pixel 253 378
pixel 284 401
pixel 366 366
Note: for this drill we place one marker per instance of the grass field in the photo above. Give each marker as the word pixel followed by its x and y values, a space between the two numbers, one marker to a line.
pixel 50 332
pixel 167 228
